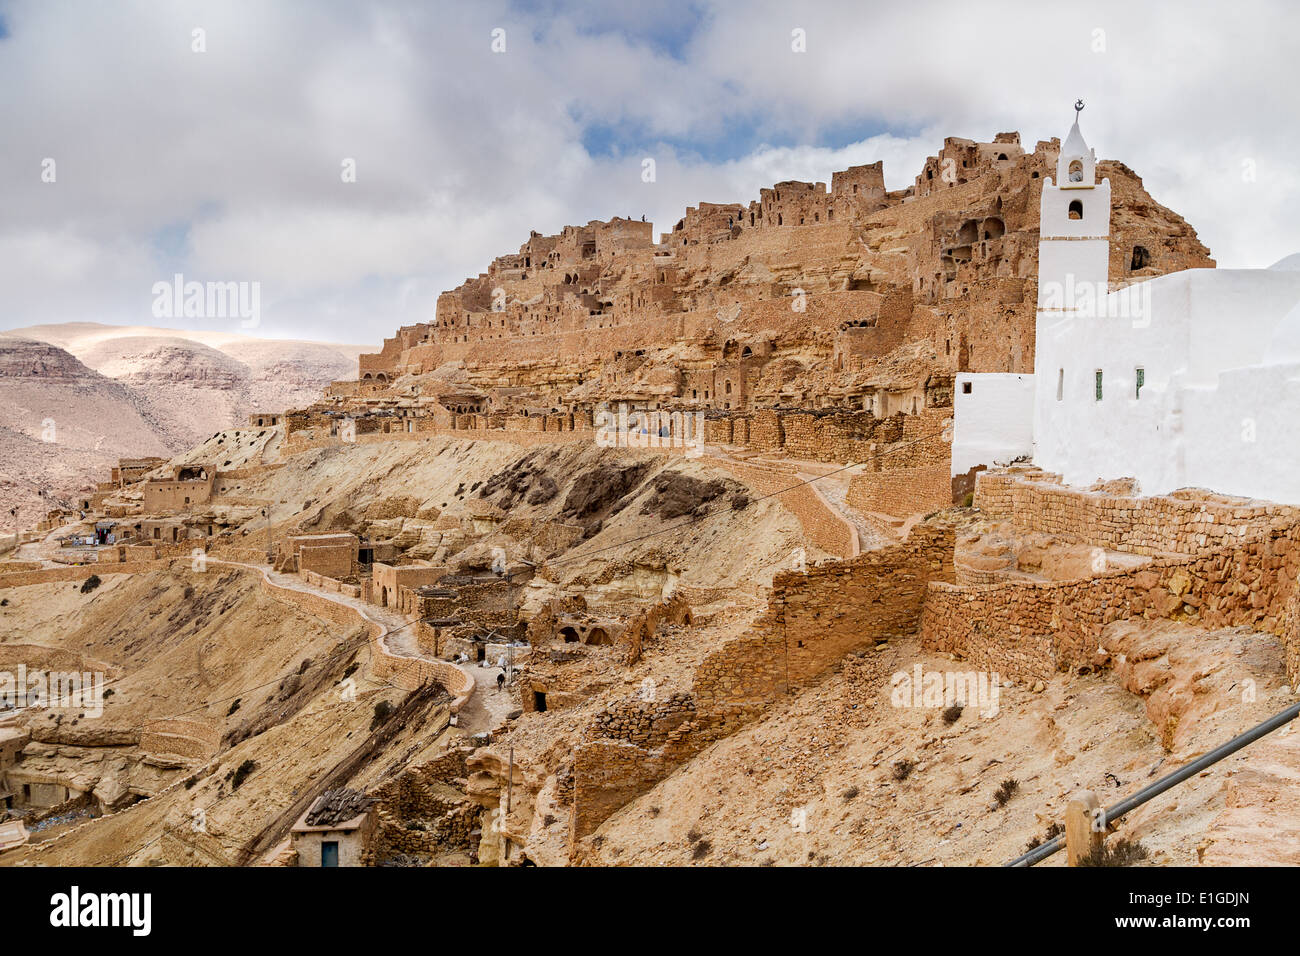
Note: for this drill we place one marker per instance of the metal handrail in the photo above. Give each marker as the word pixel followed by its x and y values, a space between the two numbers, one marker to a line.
pixel 1040 853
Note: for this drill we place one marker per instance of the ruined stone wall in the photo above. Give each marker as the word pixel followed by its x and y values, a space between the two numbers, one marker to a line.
pixel 175 495
pixel 607 775
pixel 1028 630
pixel 328 560
pixel 1291 637
pixel 1181 523
pixel 20 579
pixel 813 619
pixel 825 527
pixel 675 610
pixel 816 617
pixel 901 492
pixel 646 723
pixel 426 796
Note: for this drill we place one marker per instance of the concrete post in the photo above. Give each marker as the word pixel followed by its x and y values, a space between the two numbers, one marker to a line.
pixel 1083 826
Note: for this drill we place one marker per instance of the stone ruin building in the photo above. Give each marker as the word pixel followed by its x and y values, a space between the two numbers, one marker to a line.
pixel 852 299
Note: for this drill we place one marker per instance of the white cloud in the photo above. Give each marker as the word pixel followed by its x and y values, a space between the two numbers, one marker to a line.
pixel 461 151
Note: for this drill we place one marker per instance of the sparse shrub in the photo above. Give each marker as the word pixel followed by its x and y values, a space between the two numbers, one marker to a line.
pixel 109 693
pixel 90 584
pixel 1054 830
pixel 4 603
pixel 190 781
pixel 969 500
pixel 952 714
pixel 903 768
pixel 351 669
pixel 701 850
pixel 234 706
pixel 306 663
pixel 383 710
pixel 849 794
pixel 1005 791
pixel 1115 853
pixel 693 834
pixel 242 773
pixel 739 501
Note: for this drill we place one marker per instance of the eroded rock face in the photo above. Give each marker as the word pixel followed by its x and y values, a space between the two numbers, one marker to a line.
pixel 27 358
pixel 852 297
pixel 676 495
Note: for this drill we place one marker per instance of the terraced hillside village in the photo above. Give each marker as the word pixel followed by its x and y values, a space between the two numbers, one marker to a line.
pixel 645 552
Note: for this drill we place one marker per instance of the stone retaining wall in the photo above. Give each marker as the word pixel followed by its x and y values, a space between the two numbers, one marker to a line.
pixel 1190 522
pixel 1244 572
pixel 903 491
pixel 822 525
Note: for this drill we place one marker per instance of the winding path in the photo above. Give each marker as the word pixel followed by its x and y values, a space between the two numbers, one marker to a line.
pixel 397 638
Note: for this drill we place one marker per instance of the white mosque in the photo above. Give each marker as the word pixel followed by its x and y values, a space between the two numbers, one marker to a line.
pixel 1190 379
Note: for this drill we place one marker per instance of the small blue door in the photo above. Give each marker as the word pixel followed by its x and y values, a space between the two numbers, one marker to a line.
pixel 329 853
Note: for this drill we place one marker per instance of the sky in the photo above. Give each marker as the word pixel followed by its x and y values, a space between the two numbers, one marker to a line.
pixel 350 161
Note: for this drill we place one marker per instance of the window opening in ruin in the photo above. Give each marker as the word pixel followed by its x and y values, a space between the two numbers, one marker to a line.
pixel 539 701
pixel 1076 210
pixel 480 652
pixel 1002 156
pixel 1098 389
pixel 965 388
pixel 1060 384
pixel 1140 377
pixel 569 634
pixel 1141 258
pixel 728 388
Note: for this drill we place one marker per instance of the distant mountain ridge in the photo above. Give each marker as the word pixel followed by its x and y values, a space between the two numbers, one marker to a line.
pixel 74 397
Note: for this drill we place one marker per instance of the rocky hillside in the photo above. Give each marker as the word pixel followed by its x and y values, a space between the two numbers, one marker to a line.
pixel 76 397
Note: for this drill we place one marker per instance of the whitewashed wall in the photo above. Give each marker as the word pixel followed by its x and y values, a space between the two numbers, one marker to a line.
pixel 993 423
pixel 1204 338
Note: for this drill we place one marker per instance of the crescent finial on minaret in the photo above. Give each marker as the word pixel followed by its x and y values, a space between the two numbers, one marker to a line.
pixel 1078 107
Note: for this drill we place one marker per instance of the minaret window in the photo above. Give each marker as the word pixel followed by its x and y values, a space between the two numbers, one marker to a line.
pixel 1076 210
pixel 1076 171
